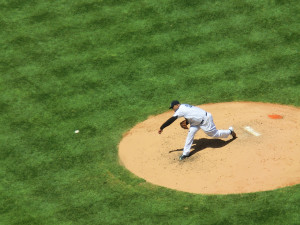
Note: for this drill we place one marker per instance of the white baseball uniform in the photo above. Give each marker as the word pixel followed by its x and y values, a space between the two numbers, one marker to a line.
pixel 198 118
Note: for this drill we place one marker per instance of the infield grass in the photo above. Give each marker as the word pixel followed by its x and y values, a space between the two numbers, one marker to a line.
pixel 102 67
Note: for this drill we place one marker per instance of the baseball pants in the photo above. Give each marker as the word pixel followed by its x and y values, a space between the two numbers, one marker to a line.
pixel 209 128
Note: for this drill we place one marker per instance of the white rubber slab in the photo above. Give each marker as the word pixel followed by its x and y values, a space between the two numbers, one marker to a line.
pixel 252 131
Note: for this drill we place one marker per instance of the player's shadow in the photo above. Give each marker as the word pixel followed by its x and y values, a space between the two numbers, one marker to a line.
pixel 203 143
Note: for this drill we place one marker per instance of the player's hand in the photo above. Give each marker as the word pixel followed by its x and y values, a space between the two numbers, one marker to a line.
pixel 160 131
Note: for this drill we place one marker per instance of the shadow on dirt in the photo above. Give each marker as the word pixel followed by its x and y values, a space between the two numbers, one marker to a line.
pixel 203 143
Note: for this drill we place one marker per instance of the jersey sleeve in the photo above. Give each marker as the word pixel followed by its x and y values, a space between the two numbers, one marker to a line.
pixel 179 113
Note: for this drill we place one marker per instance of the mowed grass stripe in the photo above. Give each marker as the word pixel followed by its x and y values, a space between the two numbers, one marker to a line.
pixel 196 41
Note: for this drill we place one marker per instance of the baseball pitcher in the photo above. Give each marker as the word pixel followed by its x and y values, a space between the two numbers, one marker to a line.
pixel 198 119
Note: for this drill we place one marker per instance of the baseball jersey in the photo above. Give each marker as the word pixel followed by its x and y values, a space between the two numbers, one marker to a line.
pixel 193 114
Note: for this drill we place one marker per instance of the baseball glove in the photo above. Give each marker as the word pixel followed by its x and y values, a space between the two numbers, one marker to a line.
pixel 184 124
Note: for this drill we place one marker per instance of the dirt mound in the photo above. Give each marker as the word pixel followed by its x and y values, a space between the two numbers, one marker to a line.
pixel 265 156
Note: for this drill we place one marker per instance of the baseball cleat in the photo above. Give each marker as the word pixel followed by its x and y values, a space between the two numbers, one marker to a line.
pixel 233 134
pixel 182 157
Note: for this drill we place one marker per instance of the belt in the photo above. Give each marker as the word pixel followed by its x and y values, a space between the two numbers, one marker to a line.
pixel 203 120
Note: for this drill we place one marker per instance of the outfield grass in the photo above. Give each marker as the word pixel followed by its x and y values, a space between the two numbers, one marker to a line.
pixel 102 67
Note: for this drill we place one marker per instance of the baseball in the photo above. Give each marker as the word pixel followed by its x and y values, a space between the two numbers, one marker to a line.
pixel 76 131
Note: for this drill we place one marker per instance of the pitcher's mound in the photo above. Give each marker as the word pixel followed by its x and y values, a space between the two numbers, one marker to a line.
pixel 265 155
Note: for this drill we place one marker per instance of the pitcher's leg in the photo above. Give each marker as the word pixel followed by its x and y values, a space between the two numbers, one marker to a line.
pixel 210 129
pixel 219 133
pixel 189 140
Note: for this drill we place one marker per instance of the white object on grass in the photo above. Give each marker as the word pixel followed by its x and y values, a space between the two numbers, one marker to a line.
pixel 76 131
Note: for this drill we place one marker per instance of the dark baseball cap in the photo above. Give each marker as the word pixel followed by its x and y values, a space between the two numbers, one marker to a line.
pixel 175 102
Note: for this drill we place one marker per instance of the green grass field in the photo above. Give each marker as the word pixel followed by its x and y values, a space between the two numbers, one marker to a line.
pixel 102 66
